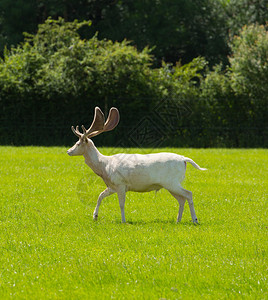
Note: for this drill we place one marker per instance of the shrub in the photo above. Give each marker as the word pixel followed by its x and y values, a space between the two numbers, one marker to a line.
pixel 55 71
pixel 55 79
pixel 249 62
pixel 237 97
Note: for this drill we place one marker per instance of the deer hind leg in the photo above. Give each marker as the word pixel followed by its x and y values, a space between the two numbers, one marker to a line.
pixel 182 195
pixel 121 193
pixel 181 201
pixel 102 195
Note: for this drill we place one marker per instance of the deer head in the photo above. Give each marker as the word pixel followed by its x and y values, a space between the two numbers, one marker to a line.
pixel 97 127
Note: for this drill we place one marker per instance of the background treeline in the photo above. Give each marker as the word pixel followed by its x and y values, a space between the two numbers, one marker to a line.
pixel 177 29
pixel 204 84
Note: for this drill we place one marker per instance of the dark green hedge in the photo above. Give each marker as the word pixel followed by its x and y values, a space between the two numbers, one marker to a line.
pixel 55 79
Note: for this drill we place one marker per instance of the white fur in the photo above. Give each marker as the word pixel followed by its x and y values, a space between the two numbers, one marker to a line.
pixel 136 172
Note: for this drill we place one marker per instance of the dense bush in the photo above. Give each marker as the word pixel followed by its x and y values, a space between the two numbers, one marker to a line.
pixel 56 75
pixel 55 79
pixel 249 62
pixel 237 97
pixel 177 29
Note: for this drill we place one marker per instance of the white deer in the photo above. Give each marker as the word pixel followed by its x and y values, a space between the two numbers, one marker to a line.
pixel 132 172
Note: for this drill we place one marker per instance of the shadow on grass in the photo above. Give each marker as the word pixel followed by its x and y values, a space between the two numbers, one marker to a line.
pixel 157 221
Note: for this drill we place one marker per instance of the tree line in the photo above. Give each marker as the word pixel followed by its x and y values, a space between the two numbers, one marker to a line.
pixel 175 29
pixel 60 71
pixel 54 79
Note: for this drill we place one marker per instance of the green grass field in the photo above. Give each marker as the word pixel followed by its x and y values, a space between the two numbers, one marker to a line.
pixel 52 249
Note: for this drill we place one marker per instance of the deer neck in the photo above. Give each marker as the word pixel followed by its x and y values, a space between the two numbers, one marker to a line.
pixel 94 159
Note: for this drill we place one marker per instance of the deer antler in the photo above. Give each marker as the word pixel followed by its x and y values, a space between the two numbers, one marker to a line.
pixel 76 131
pixel 98 126
pixel 112 120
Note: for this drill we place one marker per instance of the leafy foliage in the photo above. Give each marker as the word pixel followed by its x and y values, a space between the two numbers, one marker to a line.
pixel 244 13
pixel 178 30
pixel 55 79
pixel 55 70
pixel 249 62
pixel 237 96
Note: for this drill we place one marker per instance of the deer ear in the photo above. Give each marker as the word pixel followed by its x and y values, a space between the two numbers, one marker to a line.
pixel 112 120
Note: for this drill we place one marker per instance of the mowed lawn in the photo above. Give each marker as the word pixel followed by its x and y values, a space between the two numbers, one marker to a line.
pixel 50 247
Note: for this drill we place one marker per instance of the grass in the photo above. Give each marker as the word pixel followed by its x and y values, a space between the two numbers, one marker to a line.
pixel 50 248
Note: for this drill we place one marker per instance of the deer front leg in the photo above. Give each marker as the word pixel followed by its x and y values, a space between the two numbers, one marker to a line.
pixel 122 198
pixel 102 195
